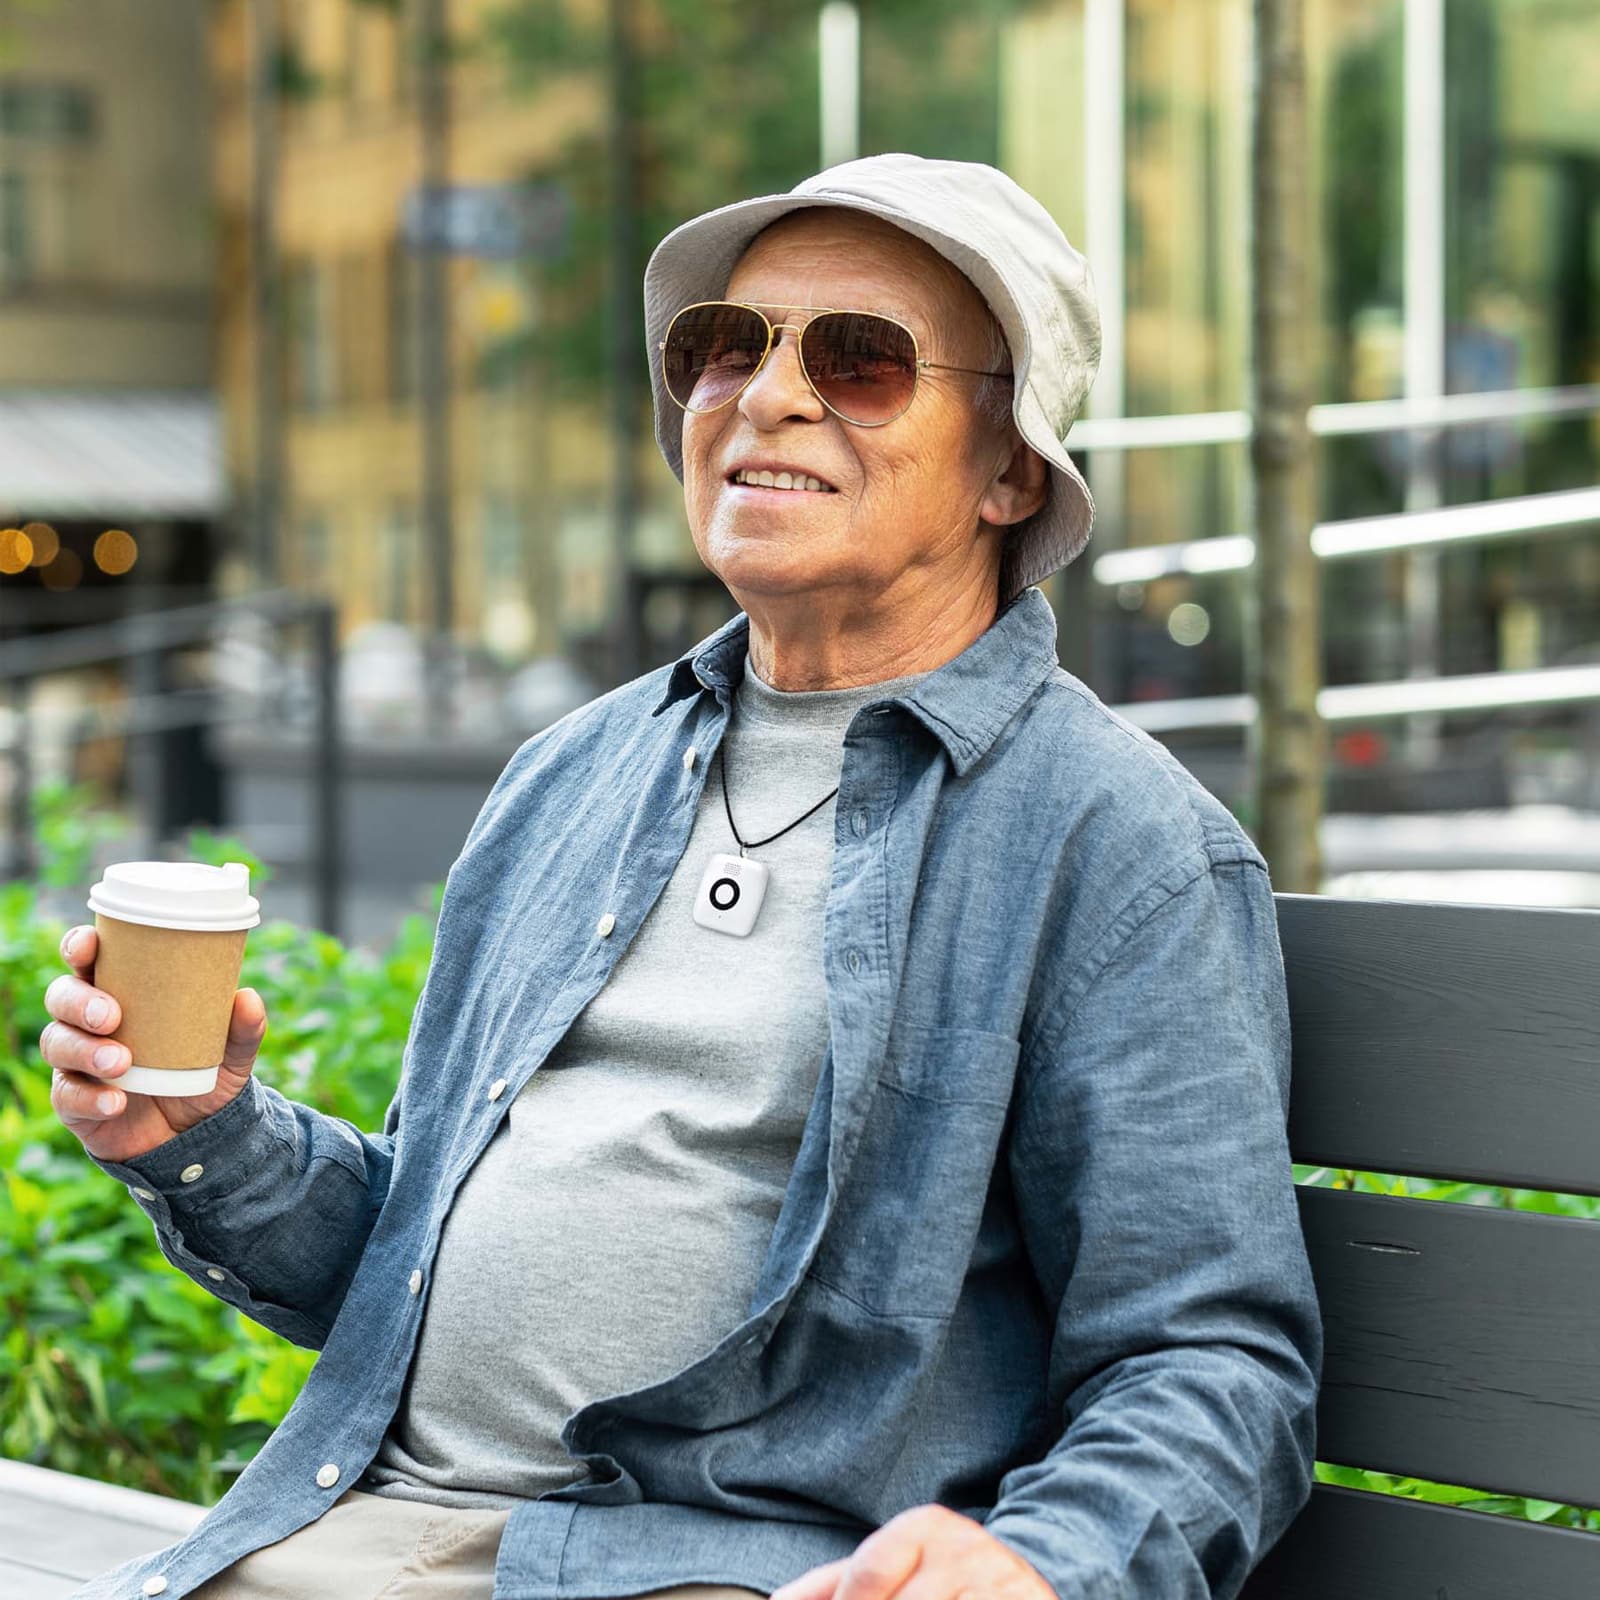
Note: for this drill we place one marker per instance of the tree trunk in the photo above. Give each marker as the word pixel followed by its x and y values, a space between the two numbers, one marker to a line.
pixel 1286 666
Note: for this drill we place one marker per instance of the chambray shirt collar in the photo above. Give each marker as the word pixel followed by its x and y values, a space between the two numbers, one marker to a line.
pixel 964 703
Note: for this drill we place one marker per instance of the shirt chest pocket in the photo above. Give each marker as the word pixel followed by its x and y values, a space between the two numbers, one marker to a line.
pixel 907 1217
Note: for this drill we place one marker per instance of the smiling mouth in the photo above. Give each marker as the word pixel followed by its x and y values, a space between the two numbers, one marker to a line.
pixel 781 480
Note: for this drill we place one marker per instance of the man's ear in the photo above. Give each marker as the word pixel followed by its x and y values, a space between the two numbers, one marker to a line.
pixel 1018 489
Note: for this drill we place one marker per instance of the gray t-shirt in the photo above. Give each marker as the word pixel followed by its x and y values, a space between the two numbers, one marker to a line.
pixel 614 1229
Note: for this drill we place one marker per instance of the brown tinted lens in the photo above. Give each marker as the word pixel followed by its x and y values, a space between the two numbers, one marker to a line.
pixel 710 353
pixel 865 367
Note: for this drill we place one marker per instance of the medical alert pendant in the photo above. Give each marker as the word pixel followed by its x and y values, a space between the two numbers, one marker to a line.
pixel 731 891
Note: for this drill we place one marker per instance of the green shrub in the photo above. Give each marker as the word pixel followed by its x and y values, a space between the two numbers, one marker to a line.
pixel 112 1363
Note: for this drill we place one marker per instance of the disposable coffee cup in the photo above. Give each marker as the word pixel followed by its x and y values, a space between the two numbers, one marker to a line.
pixel 172 939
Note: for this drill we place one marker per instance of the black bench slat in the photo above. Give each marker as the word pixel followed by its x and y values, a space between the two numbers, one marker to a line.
pixel 1464 1350
pixel 1350 1545
pixel 1445 1040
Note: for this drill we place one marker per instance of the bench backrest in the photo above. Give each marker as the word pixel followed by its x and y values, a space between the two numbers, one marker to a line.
pixel 1463 1341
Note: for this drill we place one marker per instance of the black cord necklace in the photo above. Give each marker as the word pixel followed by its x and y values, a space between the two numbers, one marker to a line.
pixel 732 888
pixel 755 844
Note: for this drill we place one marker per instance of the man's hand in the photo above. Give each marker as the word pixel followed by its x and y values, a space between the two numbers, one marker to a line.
pixel 926 1553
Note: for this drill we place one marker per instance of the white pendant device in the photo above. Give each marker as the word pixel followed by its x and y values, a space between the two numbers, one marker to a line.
pixel 730 895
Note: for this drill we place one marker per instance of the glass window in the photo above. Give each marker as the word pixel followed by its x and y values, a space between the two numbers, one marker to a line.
pixel 929 80
pixel 314 550
pixel 503 539
pixel 48 112
pixel 403 280
pixel 312 369
pixel 16 250
pixel 1522 220
pixel 400 538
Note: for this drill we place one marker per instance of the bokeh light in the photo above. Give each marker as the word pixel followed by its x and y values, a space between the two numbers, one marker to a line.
pixel 45 541
pixel 16 550
pixel 115 551
pixel 64 572
pixel 1188 623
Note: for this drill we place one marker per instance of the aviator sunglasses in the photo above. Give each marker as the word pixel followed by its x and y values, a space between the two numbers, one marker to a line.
pixel 862 366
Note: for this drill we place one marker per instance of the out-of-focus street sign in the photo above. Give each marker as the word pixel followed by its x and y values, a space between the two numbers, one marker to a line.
pixel 501 222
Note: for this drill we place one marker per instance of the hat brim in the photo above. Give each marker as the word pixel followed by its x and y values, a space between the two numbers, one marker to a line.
pixel 695 261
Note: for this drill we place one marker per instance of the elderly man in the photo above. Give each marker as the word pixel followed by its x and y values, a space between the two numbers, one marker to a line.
pixel 840 1148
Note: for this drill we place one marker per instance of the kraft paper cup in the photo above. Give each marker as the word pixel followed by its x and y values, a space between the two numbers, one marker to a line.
pixel 172 936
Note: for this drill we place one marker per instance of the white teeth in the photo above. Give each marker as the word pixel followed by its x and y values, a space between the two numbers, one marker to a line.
pixel 781 480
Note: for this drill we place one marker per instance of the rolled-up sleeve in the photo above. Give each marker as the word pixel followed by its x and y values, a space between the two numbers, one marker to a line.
pixel 268 1204
pixel 1156 1197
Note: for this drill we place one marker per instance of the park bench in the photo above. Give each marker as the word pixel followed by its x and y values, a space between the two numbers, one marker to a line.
pixel 1463 1342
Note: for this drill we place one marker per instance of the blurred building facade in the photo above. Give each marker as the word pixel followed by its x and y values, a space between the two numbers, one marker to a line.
pixel 352 158
pixel 107 419
pixel 111 489
pixel 1455 188
pixel 404 239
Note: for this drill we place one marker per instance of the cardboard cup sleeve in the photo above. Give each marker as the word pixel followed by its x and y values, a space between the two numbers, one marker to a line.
pixel 176 989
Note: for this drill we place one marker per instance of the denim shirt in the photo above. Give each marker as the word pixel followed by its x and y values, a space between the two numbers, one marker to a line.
pixel 1039 1258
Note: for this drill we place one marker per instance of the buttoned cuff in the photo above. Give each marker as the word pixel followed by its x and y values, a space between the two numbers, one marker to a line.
pixel 204 1162
pixel 198 1169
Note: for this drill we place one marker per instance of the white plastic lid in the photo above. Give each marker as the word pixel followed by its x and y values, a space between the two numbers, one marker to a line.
pixel 178 894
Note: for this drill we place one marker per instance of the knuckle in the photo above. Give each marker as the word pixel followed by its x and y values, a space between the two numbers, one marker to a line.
pixel 61 1094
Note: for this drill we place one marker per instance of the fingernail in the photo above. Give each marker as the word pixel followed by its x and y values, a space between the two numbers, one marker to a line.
pixel 96 1012
pixel 107 1056
pixel 107 1103
pixel 73 941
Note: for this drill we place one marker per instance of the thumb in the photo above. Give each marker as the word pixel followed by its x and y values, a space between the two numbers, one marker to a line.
pixel 246 1029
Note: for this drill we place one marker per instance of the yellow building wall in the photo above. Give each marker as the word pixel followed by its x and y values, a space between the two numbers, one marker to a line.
pixel 349 155
pixel 122 219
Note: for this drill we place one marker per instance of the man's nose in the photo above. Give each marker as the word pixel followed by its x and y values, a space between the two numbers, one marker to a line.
pixel 779 389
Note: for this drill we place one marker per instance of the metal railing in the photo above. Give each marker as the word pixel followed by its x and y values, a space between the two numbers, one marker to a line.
pixel 139 640
pixel 1412 531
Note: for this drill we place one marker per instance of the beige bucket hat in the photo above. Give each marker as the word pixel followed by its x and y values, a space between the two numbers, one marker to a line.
pixel 1010 249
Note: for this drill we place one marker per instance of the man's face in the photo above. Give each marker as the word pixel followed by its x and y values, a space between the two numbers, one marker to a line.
pixel 902 502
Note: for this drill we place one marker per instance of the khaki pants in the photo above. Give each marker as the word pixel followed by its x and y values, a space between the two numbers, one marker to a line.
pixel 369 1547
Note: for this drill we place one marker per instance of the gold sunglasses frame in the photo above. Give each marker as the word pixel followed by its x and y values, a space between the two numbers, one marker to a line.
pixel 799 332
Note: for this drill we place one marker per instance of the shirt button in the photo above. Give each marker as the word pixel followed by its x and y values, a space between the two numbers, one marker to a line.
pixel 853 960
pixel 144 1194
pixel 858 824
pixel 605 925
pixel 190 1173
pixel 327 1475
pixel 155 1585
pixel 497 1088
pixel 214 1275
pixel 414 1282
pixel 689 758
